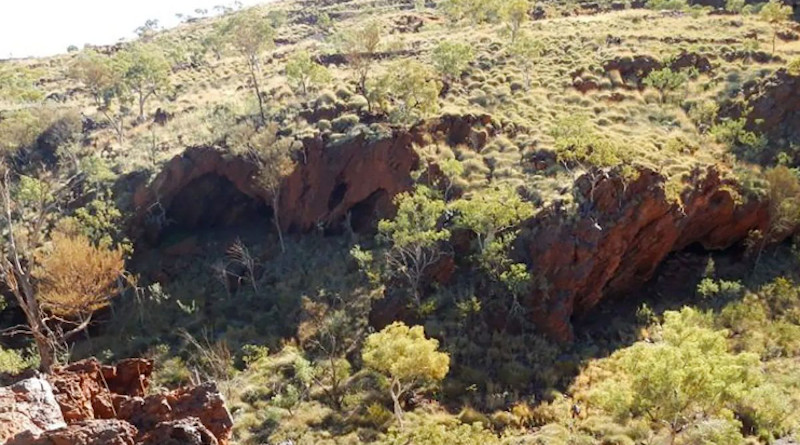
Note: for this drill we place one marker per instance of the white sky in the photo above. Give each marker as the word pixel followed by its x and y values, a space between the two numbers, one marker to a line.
pixel 47 27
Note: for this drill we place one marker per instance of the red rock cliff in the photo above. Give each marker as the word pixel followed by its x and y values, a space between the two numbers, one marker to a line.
pixel 616 242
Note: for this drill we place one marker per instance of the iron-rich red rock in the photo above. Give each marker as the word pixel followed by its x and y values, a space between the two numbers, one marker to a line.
pixel 624 231
pixel 28 406
pixel 188 431
pixel 87 432
pixel 87 403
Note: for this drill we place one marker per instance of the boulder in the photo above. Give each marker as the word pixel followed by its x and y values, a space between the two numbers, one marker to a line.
pixel 87 432
pixel 189 431
pixel 28 406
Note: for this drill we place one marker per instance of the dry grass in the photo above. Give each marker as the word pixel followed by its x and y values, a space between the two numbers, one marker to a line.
pixel 635 118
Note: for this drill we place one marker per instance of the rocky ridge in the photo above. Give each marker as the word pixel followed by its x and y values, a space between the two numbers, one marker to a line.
pixel 87 403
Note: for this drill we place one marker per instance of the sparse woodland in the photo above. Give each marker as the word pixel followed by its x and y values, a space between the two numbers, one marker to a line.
pixel 593 240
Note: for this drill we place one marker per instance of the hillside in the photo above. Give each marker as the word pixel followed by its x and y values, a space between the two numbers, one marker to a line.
pixel 585 212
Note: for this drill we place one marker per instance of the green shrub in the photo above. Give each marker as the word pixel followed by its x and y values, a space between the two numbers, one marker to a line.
pixel 794 66
pixel 732 132
pixel 452 58
pixel 430 430
pixel 668 5
pixel 13 362
pixel 345 122
pixel 735 6
pixel 577 141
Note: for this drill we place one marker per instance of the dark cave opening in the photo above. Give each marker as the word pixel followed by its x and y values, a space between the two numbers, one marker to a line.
pixel 364 216
pixel 212 202
pixel 337 196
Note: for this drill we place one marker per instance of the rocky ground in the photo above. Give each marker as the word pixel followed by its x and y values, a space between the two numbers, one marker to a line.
pixel 87 403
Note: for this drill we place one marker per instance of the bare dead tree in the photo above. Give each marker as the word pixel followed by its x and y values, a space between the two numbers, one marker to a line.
pixel 240 254
pixel 26 215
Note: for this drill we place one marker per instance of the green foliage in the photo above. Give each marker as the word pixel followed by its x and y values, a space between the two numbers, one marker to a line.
pixel 404 354
pixel 715 432
pixel 103 78
pixel 666 80
pixel 305 72
pixel 146 72
pixel 784 202
pixel 406 357
pixel 710 288
pixel 415 236
pixel 100 75
pixel 776 14
pixel 359 45
pixel 704 115
pixel 476 11
pixel 794 66
pixel 250 35
pixel 18 85
pixel 429 430
pixel 100 220
pixel 732 132
pixel 668 5
pixel 526 51
pixel 413 88
pixel 491 212
pixel 417 222
pixel 452 58
pixel 576 141
pixel 515 14
pixel 645 381
pixel 20 129
pixel 13 362
pixel 735 6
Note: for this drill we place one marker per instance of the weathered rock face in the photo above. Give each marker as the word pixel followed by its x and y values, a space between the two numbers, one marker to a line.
pixel 203 403
pixel 87 432
pixel 357 175
pixel 640 66
pixel 618 240
pixel 28 406
pixel 775 104
pixel 180 432
pixel 90 404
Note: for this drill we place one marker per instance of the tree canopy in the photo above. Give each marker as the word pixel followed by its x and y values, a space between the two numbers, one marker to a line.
pixel 406 357
pixel 644 380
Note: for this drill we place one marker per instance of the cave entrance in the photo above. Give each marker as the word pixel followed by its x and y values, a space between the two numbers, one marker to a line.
pixel 212 202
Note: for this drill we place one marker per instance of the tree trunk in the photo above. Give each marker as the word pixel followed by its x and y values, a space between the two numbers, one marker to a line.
pixel 46 352
pixel 276 200
pixel 257 89
pixel 30 306
pixel 141 106
pixel 398 410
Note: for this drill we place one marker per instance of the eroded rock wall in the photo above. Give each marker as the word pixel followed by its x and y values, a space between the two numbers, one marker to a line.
pixel 620 237
pixel 87 403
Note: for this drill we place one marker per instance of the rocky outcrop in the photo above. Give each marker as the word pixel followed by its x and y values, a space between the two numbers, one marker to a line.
pixel 87 432
pixel 330 180
pixel 203 403
pixel 636 68
pixel 89 404
pixel 28 407
pixel 356 177
pixel 774 106
pixel 85 389
pixel 180 432
pixel 621 235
